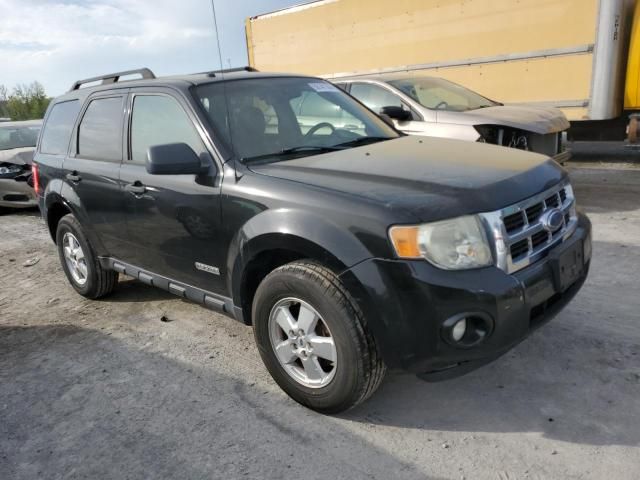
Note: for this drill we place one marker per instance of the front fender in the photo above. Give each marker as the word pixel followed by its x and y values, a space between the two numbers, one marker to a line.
pixel 302 232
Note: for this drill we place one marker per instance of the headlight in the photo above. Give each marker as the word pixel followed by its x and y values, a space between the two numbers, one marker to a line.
pixel 9 170
pixel 456 244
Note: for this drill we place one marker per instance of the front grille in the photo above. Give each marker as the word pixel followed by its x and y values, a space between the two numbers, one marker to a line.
pixel 523 232
pixel 539 238
pixel 533 213
pixel 514 222
pixel 519 248
pixel 563 195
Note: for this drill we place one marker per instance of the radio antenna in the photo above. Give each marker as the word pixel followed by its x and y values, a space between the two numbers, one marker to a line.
pixel 224 85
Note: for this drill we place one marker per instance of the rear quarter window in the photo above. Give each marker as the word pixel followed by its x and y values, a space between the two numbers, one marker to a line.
pixel 57 130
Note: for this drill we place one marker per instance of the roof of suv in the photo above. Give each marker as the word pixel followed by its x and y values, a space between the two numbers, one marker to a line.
pixel 175 81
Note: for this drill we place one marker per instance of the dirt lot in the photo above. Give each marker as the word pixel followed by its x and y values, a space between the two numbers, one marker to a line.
pixel 105 389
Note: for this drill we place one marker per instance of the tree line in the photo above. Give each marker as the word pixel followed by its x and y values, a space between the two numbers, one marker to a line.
pixel 24 102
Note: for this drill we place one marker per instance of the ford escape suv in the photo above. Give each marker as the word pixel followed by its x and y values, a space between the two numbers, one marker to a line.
pixel 349 251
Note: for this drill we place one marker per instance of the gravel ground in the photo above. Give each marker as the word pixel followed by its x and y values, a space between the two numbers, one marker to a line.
pixel 106 390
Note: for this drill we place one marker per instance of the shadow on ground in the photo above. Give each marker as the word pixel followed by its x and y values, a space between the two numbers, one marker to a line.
pixel 76 403
pixel 20 212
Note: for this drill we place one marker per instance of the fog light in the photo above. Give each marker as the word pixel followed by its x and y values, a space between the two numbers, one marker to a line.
pixel 467 329
pixel 459 330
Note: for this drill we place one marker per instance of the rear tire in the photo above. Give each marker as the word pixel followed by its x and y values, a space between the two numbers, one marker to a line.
pixel 356 370
pixel 80 263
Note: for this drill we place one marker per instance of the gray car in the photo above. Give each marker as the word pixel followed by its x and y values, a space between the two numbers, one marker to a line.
pixel 421 105
pixel 17 144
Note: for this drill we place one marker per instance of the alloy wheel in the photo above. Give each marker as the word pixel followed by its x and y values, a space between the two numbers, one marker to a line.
pixel 74 258
pixel 302 342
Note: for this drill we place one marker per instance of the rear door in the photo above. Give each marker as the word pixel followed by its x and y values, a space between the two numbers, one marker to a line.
pixel 53 145
pixel 173 220
pixel 91 171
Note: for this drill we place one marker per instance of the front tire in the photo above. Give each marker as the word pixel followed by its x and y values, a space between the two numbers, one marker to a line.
pixel 313 339
pixel 80 263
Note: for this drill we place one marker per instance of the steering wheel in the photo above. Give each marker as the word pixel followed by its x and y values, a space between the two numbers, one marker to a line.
pixel 317 127
pixel 442 104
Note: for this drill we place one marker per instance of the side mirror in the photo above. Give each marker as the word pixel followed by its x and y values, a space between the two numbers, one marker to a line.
pixel 397 113
pixel 173 159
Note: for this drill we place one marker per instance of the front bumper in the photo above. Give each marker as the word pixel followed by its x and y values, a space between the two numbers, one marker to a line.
pixel 16 194
pixel 408 303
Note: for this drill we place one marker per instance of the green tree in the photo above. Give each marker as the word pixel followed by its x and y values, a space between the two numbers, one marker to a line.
pixel 26 102
pixel 3 102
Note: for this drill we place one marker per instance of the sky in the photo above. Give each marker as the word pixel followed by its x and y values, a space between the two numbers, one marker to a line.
pixel 57 42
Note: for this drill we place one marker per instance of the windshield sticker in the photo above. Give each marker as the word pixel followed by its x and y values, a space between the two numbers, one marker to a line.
pixel 323 87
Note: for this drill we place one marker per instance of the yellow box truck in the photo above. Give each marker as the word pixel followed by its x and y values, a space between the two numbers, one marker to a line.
pixel 582 56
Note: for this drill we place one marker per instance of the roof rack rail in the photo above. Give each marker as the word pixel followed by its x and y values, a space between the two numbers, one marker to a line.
pixel 114 77
pixel 212 73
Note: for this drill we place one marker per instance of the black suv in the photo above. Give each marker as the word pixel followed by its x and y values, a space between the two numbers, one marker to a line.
pixel 284 202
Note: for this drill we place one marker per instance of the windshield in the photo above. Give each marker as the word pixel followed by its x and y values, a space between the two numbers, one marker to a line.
pixel 18 137
pixel 439 94
pixel 274 118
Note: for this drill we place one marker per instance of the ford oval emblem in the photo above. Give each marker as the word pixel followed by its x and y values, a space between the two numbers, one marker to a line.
pixel 552 220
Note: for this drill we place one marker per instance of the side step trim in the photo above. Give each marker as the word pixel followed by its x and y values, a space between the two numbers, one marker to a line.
pixel 210 300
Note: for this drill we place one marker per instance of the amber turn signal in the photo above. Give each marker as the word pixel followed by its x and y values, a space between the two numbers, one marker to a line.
pixel 405 241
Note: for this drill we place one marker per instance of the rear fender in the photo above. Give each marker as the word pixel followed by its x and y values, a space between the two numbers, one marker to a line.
pixel 58 192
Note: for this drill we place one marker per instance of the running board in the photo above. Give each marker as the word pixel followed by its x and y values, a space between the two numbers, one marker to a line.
pixel 210 300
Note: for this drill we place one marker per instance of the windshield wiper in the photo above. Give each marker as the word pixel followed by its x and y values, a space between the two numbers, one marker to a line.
pixel 284 153
pixel 315 149
pixel 496 104
pixel 362 141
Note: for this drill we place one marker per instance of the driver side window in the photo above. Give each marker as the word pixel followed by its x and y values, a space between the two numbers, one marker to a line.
pixel 157 120
pixel 375 97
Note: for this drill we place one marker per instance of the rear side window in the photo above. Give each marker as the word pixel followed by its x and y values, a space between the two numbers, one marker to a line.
pixel 100 132
pixel 57 131
pixel 158 120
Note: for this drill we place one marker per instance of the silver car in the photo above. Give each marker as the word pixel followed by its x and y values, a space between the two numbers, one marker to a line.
pixel 17 145
pixel 421 105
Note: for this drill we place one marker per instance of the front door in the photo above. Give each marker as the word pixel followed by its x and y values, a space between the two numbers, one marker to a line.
pixel 173 221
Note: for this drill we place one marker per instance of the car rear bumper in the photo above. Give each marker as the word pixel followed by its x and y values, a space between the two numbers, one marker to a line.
pixel 16 194
pixel 412 305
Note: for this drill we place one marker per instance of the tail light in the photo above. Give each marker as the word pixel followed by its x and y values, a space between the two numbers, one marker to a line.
pixel 35 178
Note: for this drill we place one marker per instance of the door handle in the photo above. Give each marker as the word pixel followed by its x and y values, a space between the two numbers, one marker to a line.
pixel 137 188
pixel 74 177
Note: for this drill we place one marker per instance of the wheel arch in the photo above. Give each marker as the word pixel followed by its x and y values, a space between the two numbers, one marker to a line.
pixel 273 239
pixel 266 253
pixel 56 208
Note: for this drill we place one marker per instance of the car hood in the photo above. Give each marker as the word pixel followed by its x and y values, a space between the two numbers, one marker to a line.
pixel 432 178
pixel 19 156
pixel 540 120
